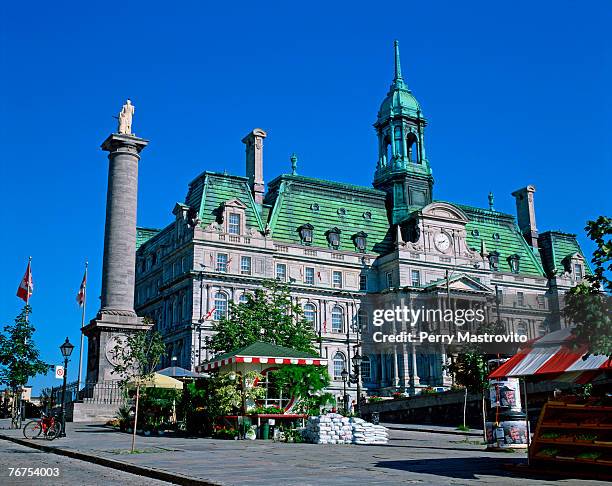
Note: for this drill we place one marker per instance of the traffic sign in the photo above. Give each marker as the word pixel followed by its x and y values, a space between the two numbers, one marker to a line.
pixel 59 372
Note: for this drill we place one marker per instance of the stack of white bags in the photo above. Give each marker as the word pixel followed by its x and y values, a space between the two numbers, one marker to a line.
pixel 333 428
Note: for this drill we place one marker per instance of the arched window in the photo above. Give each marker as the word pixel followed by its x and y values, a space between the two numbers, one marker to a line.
pixel 362 320
pixel 521 329
pixel 398 140
pixel 339 365
pixel 388 151
pixel 412 147
pixel 244 298
pixel 337 318
pixel 310 314
pixel 220 306
pixel 366 369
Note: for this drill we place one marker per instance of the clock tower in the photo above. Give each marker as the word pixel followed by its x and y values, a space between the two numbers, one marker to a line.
pixel 402 170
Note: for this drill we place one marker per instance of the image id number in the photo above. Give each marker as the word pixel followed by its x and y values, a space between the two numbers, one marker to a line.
pixel 34 471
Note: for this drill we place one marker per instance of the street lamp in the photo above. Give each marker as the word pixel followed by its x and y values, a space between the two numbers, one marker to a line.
pixel 357 359
pixel 66 350
pixel 345 375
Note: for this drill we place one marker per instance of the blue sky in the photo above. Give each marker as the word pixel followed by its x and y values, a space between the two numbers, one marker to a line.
pixel 515 93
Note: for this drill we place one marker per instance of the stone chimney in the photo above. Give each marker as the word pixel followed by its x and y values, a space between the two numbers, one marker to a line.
pixel 525 213
pixel 254 162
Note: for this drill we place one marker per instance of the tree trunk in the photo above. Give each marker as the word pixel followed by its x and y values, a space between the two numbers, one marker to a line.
pixel 465 407
pixel 135 418
pixel 484 418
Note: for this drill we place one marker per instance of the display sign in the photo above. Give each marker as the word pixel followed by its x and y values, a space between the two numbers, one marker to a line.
pixel 505 393
pixel 59 372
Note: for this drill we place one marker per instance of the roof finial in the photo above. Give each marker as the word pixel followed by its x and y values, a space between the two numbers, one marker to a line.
pixel 491 198
pixel 294 160
pixel 398 66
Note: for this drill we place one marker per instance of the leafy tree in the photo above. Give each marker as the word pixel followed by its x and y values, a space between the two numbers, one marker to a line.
pixel 307 384
pixel 19 357
pixel 136 360
pixel 588 304
pixel 207 400
pixel 268 315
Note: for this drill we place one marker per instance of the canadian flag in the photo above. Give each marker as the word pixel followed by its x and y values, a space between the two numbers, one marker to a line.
pixel 210 313
pixel 325 326
pixel 319 275
pixel 27 285
pixel 80 298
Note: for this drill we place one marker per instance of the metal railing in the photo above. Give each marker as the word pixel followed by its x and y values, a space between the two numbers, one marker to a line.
pixel 102 392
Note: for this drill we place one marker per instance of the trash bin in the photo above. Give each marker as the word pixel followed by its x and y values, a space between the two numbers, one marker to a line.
pixel 265 431
pixel 375 418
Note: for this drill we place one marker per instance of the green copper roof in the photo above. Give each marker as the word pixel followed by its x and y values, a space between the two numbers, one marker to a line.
pixel 325 205
pixel 261 349
pixel 399 99
pixel 555 247
pixel 144 234
pixel 500 233
pixel 210 190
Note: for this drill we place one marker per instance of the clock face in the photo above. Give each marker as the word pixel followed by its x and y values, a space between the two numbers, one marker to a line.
pixel 442 242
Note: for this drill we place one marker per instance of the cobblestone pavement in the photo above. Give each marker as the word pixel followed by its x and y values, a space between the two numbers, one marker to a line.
pixel 70 471
pixel 424 458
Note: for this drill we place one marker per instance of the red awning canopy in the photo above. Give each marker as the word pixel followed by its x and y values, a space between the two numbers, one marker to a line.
pixel 554 357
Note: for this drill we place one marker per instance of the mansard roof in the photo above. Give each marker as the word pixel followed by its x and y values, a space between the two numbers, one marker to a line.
pixel 297 200
pixel 500 233
pixel 144 234
pixel 555 247
pixel 211 190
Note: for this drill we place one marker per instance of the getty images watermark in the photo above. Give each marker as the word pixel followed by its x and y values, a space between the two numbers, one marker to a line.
pixel 422 325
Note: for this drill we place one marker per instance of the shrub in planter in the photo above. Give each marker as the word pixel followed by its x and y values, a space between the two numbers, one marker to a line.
pixel 225 433
pixel 374 399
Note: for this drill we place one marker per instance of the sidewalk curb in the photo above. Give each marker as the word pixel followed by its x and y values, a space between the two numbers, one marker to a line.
pixel 432 431
pixel 149 472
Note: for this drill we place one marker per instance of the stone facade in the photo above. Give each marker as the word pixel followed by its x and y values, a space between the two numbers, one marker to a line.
pixel 346 250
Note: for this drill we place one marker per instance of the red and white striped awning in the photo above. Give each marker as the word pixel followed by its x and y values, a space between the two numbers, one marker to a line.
pixel 213 365
pixel 553 357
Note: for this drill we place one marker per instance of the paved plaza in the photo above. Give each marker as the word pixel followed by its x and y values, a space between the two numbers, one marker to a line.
pixel 411 457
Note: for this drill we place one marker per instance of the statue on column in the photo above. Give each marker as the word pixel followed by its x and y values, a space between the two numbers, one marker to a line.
pixel 125 118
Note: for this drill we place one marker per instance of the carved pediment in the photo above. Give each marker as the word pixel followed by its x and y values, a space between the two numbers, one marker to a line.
pixel 234 203
pixel 444 211
pixel 460 283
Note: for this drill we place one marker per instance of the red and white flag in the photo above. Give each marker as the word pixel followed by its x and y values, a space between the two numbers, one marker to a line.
pixel 26 286
pixel 325 326
pixel 210 313
pixel 80 297
pixel 319 275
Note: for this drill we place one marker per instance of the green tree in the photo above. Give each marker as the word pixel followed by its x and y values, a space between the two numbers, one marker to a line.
pixel 268 315
pixel 136 360
pixel 588 304
pixel 307 383
pixel 19 357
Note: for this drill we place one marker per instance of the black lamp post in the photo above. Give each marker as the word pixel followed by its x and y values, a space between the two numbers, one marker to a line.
pixel 356 359
pixel 345 375
pixel 66 350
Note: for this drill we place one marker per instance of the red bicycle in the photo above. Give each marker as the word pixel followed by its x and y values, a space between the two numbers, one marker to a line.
pixel 46 425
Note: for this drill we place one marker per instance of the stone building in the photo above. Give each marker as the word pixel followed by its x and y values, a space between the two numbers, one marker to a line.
pixel 348 249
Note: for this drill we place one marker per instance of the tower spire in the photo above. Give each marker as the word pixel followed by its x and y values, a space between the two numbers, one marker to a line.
pixel 398 65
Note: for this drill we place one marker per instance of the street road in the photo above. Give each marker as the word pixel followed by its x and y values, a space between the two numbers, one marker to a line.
pixel 71 472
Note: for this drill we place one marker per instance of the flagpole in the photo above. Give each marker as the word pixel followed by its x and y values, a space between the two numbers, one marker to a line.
pixel 80 379
pixel 29 278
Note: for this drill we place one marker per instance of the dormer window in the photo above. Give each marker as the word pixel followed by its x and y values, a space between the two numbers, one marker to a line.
pixel 234 224
pixel 496 236
pixel 475 232
pixel 342 212
pixel 314 206
pixel 367 215
pixel 333 237
pixel 514 261
pixel 305 232
pixel 578 273
pixel 494 260
pixel 360 240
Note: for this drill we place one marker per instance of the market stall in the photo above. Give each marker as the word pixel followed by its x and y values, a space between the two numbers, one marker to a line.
pixel 275 408
pixel 572 429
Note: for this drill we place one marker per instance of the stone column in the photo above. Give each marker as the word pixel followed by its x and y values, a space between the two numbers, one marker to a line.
pixel 116 317
pixel 119 262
